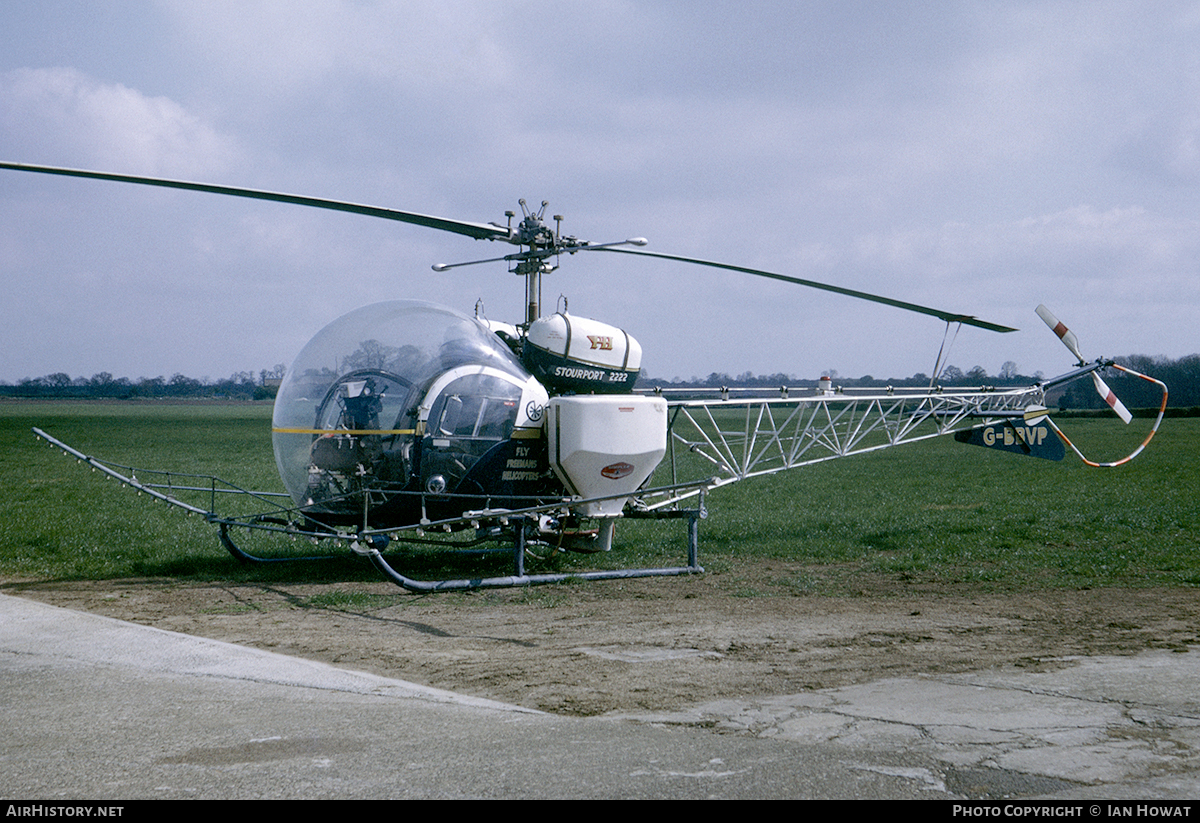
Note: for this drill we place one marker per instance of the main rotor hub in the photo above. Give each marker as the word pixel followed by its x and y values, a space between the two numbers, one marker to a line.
pixel 532 231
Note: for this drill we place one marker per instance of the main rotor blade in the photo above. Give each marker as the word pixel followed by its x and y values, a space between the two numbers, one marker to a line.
pixel 480 231
pixel 949 317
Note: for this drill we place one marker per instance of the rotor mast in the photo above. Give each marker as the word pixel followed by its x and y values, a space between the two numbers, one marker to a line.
pixel 539 243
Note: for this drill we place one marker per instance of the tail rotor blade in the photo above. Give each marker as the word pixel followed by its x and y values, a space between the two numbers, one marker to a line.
pixel 1064 334
pixel 1111 399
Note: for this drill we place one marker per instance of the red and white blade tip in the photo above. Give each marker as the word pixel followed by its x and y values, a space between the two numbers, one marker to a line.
pixel 1111 399
pixel 1064 334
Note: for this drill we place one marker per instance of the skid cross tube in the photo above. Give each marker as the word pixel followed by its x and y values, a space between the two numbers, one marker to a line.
pixel 520 578
pixel 373 543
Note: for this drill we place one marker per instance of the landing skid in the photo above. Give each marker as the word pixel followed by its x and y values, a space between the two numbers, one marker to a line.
pixel 373 551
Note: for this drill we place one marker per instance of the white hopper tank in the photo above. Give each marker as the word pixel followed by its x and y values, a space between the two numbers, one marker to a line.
pixel 603 445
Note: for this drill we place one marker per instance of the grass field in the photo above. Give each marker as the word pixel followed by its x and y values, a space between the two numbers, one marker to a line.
pixel 933 513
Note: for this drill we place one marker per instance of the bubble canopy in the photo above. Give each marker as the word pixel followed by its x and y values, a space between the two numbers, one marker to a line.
pixel 369 372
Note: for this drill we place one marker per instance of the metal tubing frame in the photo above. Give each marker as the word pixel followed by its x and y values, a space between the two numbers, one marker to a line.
pixel 780 433
pixel 520 578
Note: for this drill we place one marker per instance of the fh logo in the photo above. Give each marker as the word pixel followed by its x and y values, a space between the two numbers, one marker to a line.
pixel 604 343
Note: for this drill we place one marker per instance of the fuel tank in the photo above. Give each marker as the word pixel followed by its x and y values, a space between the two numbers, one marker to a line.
pixel 577 355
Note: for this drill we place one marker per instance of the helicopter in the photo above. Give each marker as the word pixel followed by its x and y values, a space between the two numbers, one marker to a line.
pixel 403 422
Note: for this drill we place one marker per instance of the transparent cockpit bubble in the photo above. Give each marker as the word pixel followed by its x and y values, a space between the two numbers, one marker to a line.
pixel 366 371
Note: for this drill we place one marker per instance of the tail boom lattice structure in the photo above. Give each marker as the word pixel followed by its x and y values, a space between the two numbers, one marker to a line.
pixel 736 439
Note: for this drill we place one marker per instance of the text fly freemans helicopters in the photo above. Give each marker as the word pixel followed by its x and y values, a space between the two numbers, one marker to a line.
pixel 434 421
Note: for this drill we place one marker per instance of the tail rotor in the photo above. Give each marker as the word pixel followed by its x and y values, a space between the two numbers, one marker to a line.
pixel 1072 343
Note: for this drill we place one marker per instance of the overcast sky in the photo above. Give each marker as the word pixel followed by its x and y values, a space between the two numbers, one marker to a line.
pixel 977 157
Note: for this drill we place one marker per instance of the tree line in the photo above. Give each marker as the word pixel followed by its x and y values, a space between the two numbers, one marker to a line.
pixel 1182 376
pixel 243 385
